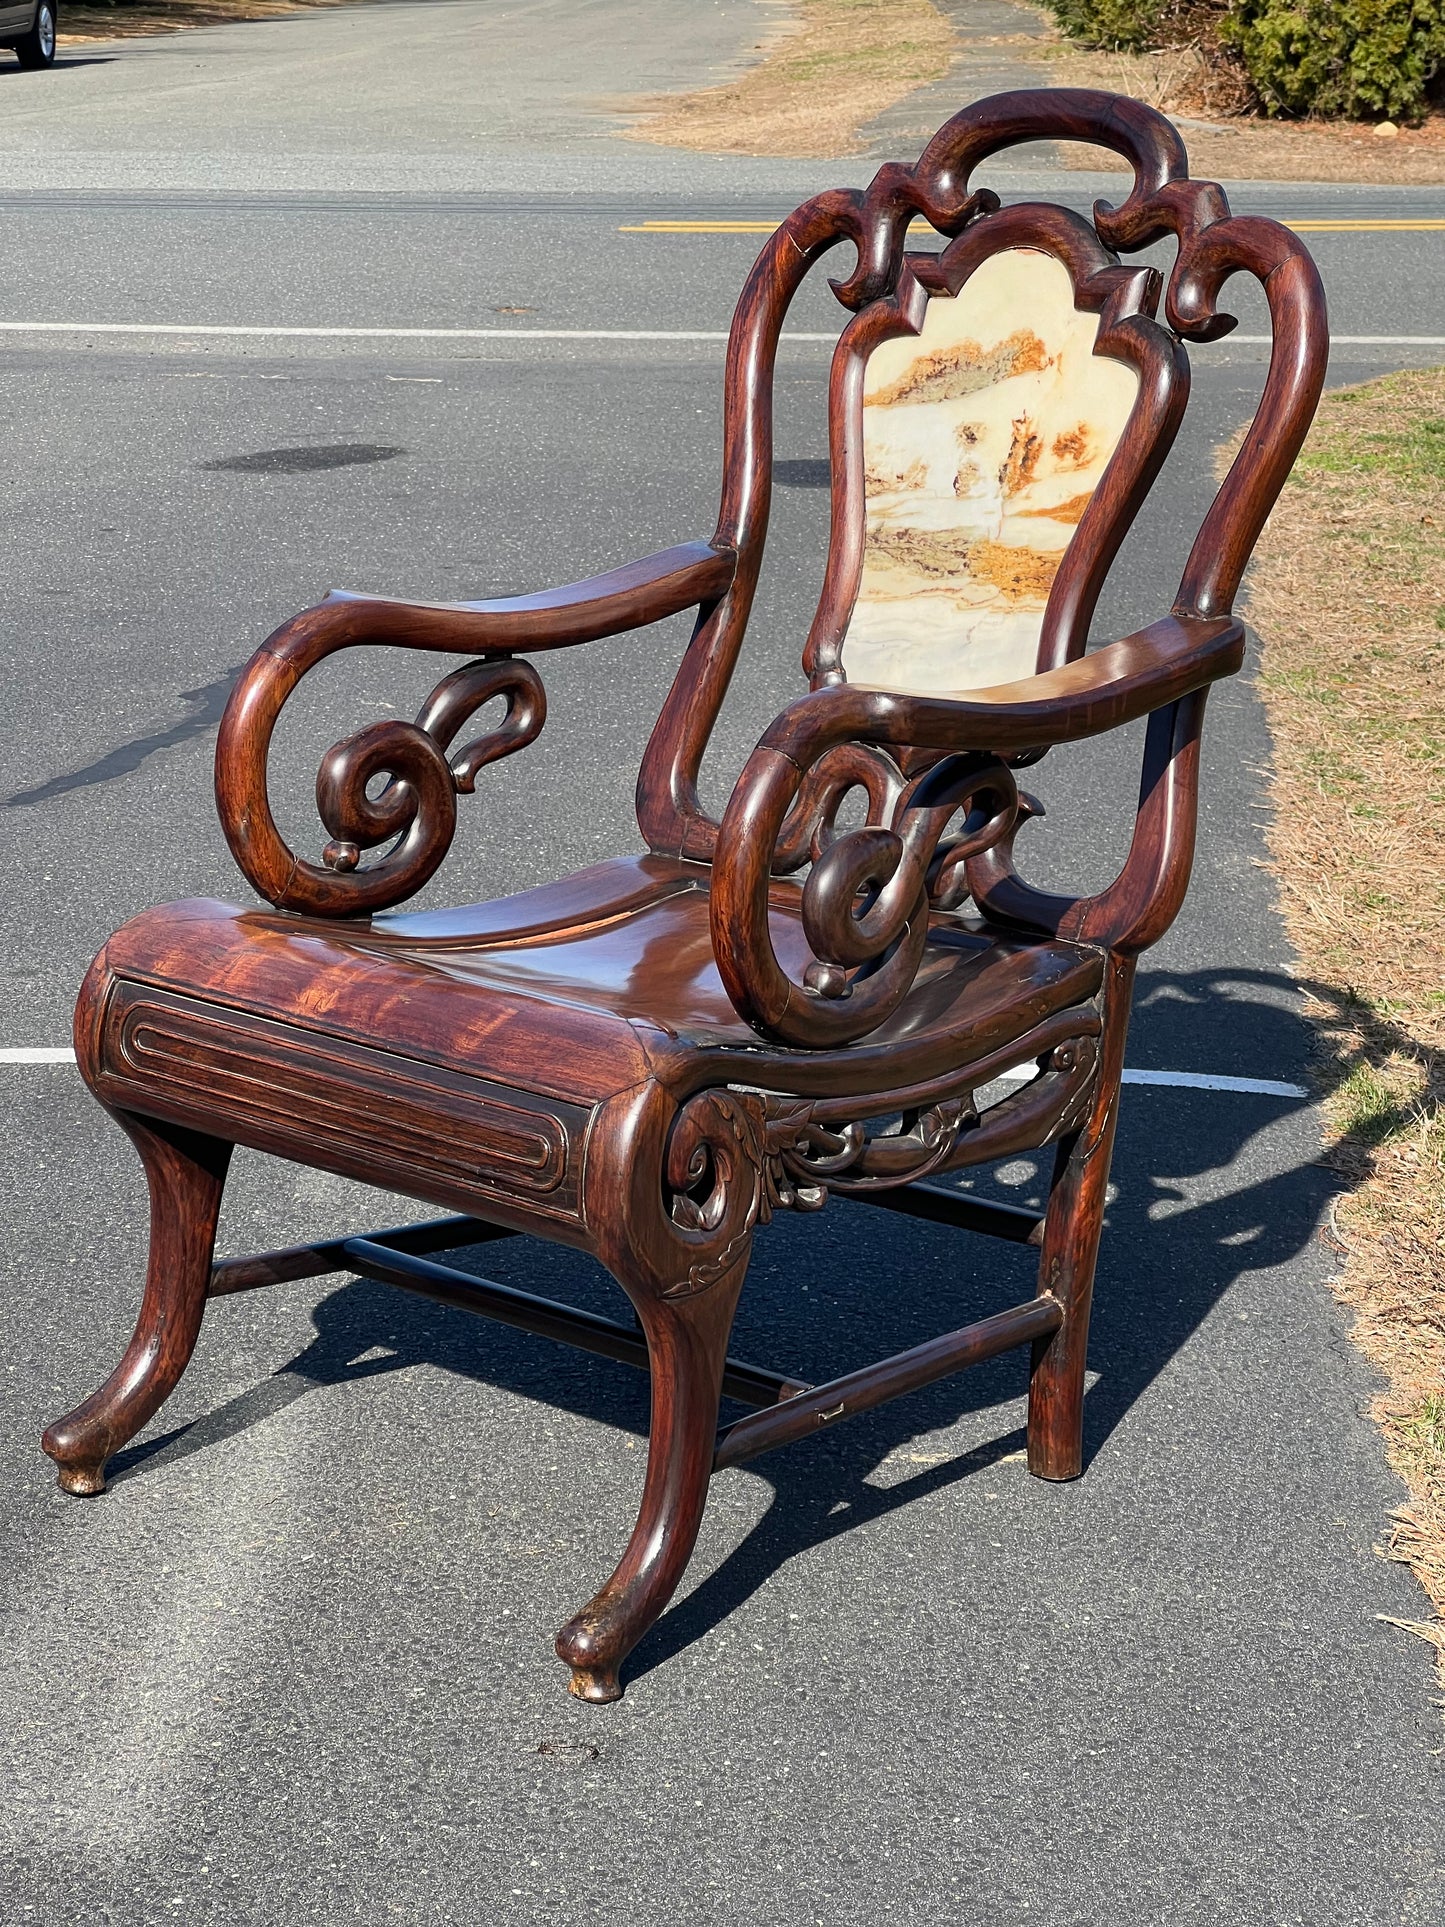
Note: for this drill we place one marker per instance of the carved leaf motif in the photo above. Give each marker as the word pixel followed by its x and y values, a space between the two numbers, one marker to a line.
pixel 736 1157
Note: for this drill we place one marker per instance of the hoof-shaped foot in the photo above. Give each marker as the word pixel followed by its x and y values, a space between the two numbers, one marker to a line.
pixel 80 1473
pixel 594 1673
pixel 594 1684
pixel 83 1481
pixel 186 1173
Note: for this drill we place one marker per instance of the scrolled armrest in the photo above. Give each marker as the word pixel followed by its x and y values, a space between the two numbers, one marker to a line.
pixel 1115 685
pixel 418 804
pixel 866 902
pixel 602 605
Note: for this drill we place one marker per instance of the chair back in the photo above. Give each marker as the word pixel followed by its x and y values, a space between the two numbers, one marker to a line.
pixel 998 411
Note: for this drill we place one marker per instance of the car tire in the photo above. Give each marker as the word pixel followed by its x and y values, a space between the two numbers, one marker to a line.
pixel 37 48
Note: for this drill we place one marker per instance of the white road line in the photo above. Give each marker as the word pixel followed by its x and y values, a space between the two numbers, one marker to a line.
pixel 1186 1081
pixel 1178 1080
pixel 921 227
pixel 1199 1081
pixel 377 334
pixel 1364 341
pixel 540 334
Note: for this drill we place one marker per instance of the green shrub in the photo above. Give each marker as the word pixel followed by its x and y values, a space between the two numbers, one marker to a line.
pixel 1340 59
pixel 1134 25
pixel 1343 59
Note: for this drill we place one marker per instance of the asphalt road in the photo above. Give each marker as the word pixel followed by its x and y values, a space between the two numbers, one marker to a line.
pixel 297 1665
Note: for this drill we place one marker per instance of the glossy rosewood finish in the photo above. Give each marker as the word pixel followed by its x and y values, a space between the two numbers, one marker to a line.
pixel 293 1262
pixel 187 1174
pixel 650 1058
pixel 808 1411
pixel 419 806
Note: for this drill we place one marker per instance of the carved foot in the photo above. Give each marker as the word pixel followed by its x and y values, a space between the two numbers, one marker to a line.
pixel 187 1173
pixel 81 1472
pixel 687 1343
pixel 594 1677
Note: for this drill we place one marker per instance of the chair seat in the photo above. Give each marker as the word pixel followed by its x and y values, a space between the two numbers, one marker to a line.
pixel 481 1040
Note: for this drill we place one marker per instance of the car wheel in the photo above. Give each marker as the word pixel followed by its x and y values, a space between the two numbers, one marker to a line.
pixel 37 48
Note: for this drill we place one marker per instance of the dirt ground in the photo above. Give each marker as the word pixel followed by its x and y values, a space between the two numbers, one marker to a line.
pixel 1347 590
pixel 126 21
pixel 827 69
pixel 834 65
pixel 1229 148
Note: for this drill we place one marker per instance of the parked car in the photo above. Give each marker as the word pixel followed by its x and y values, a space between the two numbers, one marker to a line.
pixel 30 29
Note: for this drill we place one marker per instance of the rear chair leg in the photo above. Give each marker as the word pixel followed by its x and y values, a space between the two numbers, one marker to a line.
pixel 687 1342
pixel 1072 1225
pixel 187 1174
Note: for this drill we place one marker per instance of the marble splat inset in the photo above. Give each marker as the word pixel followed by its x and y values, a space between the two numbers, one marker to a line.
pixel 984 438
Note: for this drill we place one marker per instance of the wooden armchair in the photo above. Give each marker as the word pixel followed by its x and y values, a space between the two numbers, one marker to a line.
pixel 650 1058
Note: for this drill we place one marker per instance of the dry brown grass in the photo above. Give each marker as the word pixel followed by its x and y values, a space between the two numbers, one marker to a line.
pixel 835 65
pixel 134 19
pixel 1238 147
pixel 1348 591
pixel 833 68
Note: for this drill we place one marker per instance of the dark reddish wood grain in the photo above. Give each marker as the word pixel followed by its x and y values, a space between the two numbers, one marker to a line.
pixel 648 1059
pixel 420 804
pixel 186 1173
pixel 807 1412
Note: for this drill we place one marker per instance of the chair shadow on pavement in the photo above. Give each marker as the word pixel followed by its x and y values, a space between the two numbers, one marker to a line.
pixel 1208 1187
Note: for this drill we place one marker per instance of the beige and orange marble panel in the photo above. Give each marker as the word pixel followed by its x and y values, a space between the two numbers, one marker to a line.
pixel 984 438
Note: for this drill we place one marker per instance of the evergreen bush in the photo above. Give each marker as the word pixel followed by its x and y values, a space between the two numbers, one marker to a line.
pixel 1340 59
pixel 1343 59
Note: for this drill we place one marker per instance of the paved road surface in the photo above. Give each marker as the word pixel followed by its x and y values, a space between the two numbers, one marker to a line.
pixel 297 1665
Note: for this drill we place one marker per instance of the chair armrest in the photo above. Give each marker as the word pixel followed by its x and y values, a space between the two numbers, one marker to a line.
pixel 417 808
pixel 866 902
pixel 1115 685
pixel 603 605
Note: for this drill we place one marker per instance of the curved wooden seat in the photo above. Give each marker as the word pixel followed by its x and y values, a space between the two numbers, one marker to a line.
pixel 464 1056
pixel 629 987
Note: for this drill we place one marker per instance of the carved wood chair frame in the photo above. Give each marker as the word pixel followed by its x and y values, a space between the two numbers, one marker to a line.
pixel 653 1143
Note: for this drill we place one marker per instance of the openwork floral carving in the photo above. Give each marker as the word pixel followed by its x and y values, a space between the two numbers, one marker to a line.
pixel 735 1157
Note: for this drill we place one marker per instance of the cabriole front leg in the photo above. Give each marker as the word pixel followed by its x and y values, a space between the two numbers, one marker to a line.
pixel 674 1194
pixel 186 1172
pixel 687 1339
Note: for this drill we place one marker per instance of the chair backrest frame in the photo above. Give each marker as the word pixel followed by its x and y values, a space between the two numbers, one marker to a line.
pixel 884 292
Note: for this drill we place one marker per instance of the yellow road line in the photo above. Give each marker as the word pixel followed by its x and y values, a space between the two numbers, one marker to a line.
pixel 1365 227
pixel 724 227
pixel 702 227
pixel 922 227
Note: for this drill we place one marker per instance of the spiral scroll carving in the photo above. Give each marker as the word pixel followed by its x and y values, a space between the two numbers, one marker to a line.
pixel 867 899
pixel 1162 203
pixel 411 819
pixel 724 1174
pixel 416 811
